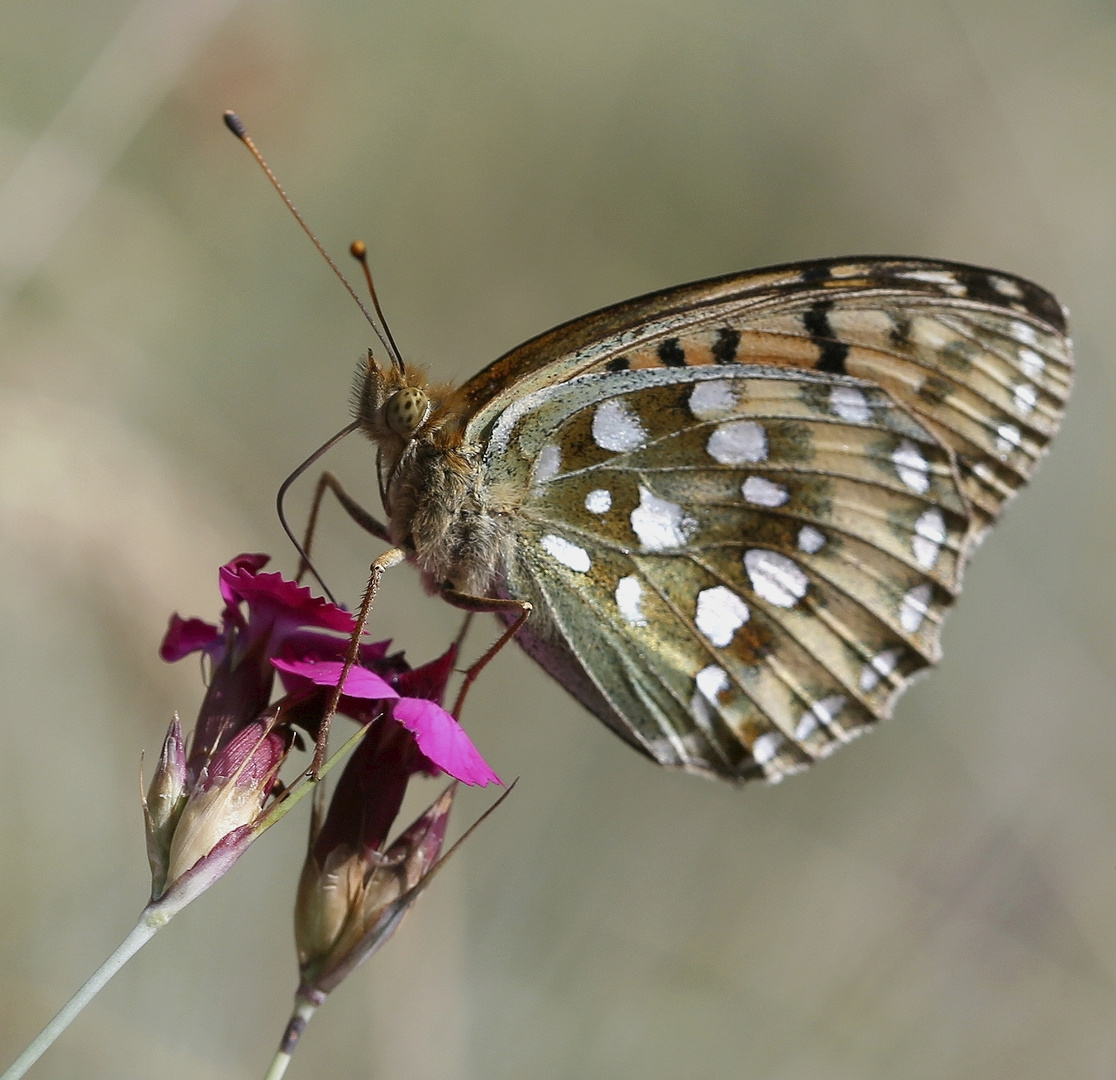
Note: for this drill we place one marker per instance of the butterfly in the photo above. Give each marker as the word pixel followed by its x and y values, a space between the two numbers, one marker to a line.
pixel 738 510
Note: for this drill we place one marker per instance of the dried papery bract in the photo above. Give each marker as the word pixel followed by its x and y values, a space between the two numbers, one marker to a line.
pixel 203 804
pixel 229 795
pixel 349 907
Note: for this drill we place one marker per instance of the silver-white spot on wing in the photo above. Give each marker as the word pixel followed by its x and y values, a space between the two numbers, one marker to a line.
pixel 739 442
pixel 711 681
pixel 914 607
pixel 567 553
pixel 911 467
pixel 616 427
pixel 1026 397
pixel 850 404
pixel 810 540
pixel 929 535
pixel 945 280
pixel 1032 364
pixel 775 578
pixel 760 491
pixel 720 613
pixel 711 399
pixel 1007 439
pixel 659 523
pixel 547 464
pixel 767 746
pixel 598 501
pixel 1024 332
pixel 1005 287
pixel 700 711
pixel 935 277
pixel 985 473
pixel 880 666
pixel 820 712
pixel 629 593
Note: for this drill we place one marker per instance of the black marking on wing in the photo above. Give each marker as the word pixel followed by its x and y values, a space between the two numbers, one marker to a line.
pixel 833 352
pixel 724 348
pixel 671 353
pixel 814 273
pixel 978 286
pixel 1042 304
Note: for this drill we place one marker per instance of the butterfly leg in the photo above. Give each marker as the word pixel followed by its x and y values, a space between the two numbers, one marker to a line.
pixel 472 604
pixel 328 482
pixel 389 559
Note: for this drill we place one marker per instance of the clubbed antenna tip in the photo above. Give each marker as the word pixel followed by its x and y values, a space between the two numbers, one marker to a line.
pixel 235 124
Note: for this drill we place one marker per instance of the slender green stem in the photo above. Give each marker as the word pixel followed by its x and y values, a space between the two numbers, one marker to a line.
pixel 154 917
pixel 304 786
pixel 303 1010
pixel 144 930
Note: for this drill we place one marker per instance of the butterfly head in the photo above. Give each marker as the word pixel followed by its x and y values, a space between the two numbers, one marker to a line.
pixel 392 406
pixel 401 413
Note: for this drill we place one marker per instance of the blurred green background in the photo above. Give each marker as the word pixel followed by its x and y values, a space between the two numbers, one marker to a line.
pixel 939 900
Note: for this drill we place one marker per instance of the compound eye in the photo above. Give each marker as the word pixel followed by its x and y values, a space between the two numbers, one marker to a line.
pixel 405 410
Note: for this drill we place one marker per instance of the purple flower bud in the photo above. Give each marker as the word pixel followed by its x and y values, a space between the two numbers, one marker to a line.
pixel 228 794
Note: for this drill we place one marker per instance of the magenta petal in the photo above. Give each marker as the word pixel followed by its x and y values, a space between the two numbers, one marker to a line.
pixel 248 564
pixel 443 740
pixel 315 645
pixel 278 597
pixel 359 683
pixel 185 636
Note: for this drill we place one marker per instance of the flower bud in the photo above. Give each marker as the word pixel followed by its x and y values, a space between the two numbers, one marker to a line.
pixel 163 805
pixel 229 795
pixel 347 904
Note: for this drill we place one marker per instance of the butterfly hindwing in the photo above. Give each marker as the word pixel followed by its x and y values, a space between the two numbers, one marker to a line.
pixel 742 507
pixel 746 563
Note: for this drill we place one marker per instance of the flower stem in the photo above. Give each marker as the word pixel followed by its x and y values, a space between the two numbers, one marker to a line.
pixel 150 921
pixel 154 917
pixel 303 1010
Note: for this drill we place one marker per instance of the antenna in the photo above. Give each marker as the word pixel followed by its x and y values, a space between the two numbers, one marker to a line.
pixel 236 126
pixel 359 251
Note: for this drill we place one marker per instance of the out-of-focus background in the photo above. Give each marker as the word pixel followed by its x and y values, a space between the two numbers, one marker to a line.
pixel 938 900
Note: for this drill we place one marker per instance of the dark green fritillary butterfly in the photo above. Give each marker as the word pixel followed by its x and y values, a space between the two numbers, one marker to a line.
pixel 741 508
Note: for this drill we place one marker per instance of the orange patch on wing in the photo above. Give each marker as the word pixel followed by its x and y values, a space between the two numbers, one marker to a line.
pixel 781 350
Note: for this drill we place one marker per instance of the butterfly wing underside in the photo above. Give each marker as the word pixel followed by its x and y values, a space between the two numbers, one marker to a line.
pixel 743 507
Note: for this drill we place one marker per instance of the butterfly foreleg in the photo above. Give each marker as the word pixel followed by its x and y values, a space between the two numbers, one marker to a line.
pixel 389 559
pixel 328 482
pixel 483 604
